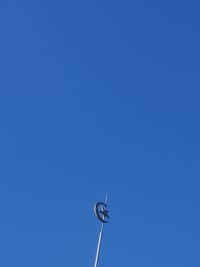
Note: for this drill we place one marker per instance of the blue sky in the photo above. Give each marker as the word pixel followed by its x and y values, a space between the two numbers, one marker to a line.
pixel 99 97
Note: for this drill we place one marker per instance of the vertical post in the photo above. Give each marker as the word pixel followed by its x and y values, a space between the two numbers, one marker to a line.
pixel 99 246
pixel 100 239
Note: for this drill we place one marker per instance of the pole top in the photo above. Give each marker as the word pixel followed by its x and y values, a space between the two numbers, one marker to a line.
pixel 101 211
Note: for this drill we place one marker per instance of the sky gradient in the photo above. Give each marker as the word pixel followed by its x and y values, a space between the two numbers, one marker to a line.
pixel 99 97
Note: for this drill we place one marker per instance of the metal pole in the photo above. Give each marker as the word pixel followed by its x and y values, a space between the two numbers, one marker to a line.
pixel 100 240
pixel 99 246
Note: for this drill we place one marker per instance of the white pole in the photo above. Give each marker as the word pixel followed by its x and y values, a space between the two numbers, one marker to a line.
pixel 100 239
pixel 99 246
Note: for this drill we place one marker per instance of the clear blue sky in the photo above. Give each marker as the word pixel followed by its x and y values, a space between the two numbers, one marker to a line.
pixel 97 97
